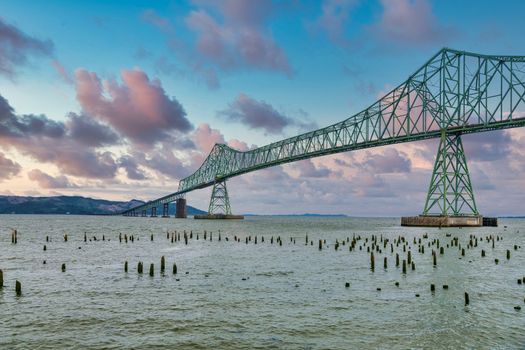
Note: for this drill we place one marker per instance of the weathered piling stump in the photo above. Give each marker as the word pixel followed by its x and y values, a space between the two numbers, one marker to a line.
pixel 347 285
pixel 152 237
pixel 126 266
pixel 140 267
pixel 64 267
pixel 397 260
pixel 18 288
pixel 432 287
pixel 385 263
pixel 496 261
pixel 174 268
pixel 162 264
pixel 372 261
pixel 467 299
pixel 320 244
pixel 404 266
pixel 65 237
pixel 47 238
pixel 1 279
pixel 482 253
pixel 45 248
pixel 151 269
pixel 508 254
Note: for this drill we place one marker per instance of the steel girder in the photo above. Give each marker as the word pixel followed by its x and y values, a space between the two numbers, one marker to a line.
pixel 456 91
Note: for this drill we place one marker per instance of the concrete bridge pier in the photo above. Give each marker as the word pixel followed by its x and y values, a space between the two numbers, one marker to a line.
pixel 153 212
pixel 144 213
pixel 180 209
pixel 165 210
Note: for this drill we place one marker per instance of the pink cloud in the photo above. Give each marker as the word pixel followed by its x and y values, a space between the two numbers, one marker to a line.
pixel 334 16
pixel 62 72
pixel 205 137
pixel 139 108
pixel 410 22
pixel 47 181
pixel 8 168
pixel 239 38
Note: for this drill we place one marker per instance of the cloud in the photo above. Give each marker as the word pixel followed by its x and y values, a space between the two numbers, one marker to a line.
pixel 131 167
pixel 410 22
pixel 47 181
pixel 62 72
pixel 233 34
pixel 334 16
pixel 205 137
pixel 151 17
pixel 8 168
pixel 90 132
pixel 26 125
pixel 50 141
pixel 390 161
pixel 490 146
pixel 16 47
pixel 307 168
pixel 139 108
pixel 256 115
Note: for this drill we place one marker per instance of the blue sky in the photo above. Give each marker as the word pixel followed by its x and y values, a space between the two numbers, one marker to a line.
pixel 307 64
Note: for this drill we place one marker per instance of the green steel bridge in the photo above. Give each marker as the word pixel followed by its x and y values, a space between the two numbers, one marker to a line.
pixel 453 93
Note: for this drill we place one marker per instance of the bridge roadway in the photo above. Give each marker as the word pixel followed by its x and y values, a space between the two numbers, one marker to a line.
pixel 455 92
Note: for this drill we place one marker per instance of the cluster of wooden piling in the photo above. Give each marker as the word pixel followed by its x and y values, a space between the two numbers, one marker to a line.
pixel 377 246
pixel 140 267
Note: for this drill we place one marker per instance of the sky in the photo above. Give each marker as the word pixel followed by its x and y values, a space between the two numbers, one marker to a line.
pixel 121 99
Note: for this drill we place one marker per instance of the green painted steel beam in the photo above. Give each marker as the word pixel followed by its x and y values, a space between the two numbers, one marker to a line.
pixel 456 91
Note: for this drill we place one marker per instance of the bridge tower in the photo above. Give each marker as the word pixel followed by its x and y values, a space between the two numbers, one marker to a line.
pixel 450 198
pixel 450 192
pixel 219 203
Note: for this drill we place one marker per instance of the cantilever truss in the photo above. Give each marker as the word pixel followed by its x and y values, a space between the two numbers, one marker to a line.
pixel 220 202
pixel 456 91
pixel 450 189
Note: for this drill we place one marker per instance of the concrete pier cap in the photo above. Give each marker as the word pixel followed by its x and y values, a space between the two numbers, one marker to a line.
pixel 448 221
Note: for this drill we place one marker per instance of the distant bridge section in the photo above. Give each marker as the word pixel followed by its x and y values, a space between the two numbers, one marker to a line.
pixel 454 93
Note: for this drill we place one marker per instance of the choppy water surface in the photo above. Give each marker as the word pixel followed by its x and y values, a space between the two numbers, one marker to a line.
pixel 292 297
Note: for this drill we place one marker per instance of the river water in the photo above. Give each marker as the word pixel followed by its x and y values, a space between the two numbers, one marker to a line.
pixel 232 295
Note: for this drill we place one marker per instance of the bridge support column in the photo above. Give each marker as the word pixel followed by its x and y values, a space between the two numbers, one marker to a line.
pixel 165 210
pixel 144 213
pixel 219 204
pixel 180 209
pixel 153 212
pixel 450 198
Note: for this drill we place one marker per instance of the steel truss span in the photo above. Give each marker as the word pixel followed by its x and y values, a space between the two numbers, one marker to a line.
pixel 454 93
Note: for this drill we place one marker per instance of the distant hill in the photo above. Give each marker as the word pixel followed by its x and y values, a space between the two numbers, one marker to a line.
pixel 75 205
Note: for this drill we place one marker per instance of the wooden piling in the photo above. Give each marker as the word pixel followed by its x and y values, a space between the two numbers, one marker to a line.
pixel 64 267
pixel 508 254
pixel 404 266
pixel 372 262
pixel 140 267
pixel 151 269
pixel 385 263
pixel 162 264
pixel 467 299
pixel 174 268
pixel 1 279
pixel 126 266
pixel 432 287
pixel 18 288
